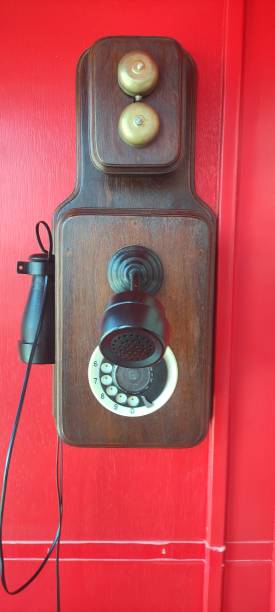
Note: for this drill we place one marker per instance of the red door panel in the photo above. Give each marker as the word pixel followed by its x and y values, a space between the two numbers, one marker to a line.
pixel 251 494
pixel 187 530
pixel 114 586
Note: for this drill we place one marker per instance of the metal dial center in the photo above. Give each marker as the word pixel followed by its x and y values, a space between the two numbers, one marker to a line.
pixel 133 380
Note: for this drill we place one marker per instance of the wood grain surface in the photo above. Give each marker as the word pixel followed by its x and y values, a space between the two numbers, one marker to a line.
pixel 87 240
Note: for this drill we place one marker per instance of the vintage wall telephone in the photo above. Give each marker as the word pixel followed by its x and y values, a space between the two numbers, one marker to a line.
pixel 134 205
pixel 135 237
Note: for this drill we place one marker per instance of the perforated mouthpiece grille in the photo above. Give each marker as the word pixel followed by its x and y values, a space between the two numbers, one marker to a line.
pixel 132 346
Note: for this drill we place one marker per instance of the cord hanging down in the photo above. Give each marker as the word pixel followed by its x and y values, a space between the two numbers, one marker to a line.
pixel 59 453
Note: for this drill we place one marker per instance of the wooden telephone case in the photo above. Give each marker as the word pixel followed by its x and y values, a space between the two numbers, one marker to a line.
pixel 134 196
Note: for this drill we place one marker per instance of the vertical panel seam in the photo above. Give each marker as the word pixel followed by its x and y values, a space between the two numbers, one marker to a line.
pixel 232 60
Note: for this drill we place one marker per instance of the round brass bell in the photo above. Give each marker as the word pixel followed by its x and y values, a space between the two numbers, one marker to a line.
pixel 137 73
pixel 138 124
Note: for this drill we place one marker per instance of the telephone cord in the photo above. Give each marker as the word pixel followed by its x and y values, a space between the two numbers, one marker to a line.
pixel 59 457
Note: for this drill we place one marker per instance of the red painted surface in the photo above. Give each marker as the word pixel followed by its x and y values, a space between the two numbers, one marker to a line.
pixel 151 530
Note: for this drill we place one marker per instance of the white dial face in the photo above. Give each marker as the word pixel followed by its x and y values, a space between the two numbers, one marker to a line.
pixel 103 382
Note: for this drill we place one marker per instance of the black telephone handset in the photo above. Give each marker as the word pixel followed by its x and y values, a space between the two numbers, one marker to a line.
pixel 133 372
pixel 41 267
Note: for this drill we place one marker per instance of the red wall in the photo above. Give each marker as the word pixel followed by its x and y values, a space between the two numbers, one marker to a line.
pixel 151 530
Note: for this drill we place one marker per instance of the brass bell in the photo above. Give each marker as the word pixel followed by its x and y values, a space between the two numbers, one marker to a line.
pixel 138 124
pixel 137 73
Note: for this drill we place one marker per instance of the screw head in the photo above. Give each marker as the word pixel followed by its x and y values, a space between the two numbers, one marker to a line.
pixel 138 66
pixel 139 120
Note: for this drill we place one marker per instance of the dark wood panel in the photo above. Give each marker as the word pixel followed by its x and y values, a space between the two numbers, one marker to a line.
pixel 86 241
pixel 173 190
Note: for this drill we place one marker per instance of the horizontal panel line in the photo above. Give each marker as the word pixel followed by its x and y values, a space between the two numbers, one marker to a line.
pixel 256 561
pixel 250 542
pixel 137 560
pixel 149 550
pixel 107 560
pixel 141 542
